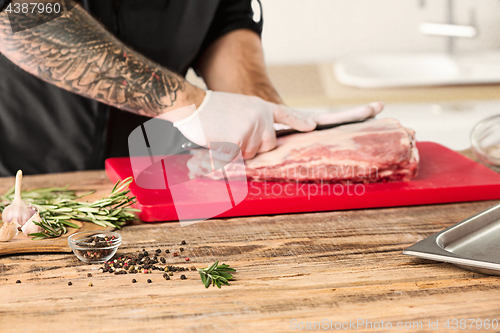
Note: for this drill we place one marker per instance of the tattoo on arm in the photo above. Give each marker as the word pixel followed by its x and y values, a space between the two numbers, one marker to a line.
pixel 76 53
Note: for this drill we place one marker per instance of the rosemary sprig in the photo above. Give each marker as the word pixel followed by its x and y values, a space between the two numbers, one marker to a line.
pixel 57 206
pixel 50 230
pixel 216 275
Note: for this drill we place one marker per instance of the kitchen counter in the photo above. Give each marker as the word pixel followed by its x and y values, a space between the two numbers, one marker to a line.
pixel 333 266
pixel 309 85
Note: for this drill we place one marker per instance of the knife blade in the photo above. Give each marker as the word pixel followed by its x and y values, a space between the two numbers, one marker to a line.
pixel 287 131
pixel 281 130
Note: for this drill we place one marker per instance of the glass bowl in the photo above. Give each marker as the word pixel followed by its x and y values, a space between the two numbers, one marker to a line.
pixel 94 247
pixel 485 140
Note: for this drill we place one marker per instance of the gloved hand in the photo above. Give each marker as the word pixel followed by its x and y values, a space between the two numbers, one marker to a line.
pixel 243 120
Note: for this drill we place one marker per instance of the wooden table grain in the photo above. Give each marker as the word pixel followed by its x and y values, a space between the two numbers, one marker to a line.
pixel 331 268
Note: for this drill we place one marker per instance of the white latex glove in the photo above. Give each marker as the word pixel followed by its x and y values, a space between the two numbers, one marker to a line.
pixel 246 121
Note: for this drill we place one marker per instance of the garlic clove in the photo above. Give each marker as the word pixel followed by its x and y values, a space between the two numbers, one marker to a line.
pixel 8 230
pixel 29 227
pixel 18 209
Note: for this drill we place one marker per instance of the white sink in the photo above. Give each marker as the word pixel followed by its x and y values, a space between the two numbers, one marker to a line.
pixel 418 69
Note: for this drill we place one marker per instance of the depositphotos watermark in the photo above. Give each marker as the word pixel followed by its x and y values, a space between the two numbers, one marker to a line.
pixel 310 171
pixel 204 182
pixel 359 324
pixel 428 325
pixel 293 189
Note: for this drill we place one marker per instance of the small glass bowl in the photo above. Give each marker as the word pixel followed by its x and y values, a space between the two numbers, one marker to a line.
pixel 94 247
pixel 485 140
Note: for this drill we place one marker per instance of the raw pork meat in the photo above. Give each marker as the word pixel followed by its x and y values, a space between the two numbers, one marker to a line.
pixel 372 151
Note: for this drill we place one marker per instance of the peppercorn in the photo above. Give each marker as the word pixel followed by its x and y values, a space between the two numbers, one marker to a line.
pixel 167 251
pixel 176 254
pixel 146 253
pixel 163 260
pixel 193 268
pixel 89 274
pixel 158 251
pixel 134 280
pixel 183 242
pixel 167 277
pixel 149 281
pixel 70 284
pixel 181 249
pixel 183 277
pixel 18 281
pixel 187 259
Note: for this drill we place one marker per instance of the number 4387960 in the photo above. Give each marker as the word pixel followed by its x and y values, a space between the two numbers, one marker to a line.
pixel 33 8
pixel 471 324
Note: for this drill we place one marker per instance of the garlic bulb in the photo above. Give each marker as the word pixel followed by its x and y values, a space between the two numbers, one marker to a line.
pixel 18 209
pixel 29 227
pixel 8 230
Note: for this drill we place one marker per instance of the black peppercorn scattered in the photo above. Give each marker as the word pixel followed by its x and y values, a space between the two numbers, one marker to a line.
pixel 181 249
pixel 183 277
pixel 158 251
pixel 167 251
pixel 193 268
pixel 70 284
pixel 146 253
pixel 18 281
pixel 149 281
pixel 167 277
pixel 89 274
pixel 183 242
pixel 134 280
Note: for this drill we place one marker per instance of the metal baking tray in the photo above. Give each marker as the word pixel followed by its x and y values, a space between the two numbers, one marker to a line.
pixel 472 244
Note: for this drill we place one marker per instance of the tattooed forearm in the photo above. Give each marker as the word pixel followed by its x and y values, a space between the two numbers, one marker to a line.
pixel 76 53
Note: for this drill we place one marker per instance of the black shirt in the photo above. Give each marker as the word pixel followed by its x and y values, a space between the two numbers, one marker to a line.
pixel 46 129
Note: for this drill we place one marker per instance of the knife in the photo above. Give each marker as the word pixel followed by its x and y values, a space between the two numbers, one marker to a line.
pixel 281 130
pixel 287 130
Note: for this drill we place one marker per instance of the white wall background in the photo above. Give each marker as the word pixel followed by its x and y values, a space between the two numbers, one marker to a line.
pixel 308 31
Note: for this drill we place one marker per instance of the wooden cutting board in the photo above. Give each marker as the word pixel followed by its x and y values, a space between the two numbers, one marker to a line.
pixel 82 182
pixel 24 244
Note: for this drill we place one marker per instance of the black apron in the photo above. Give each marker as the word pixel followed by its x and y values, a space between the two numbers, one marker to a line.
pixel 45 129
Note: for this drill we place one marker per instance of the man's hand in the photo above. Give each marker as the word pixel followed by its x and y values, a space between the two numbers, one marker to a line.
pixel 244 120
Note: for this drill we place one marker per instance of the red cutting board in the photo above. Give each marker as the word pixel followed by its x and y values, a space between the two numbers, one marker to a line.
pixel 444 176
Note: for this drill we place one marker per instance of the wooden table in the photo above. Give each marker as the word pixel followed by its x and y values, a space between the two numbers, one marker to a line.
pixel 291 269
